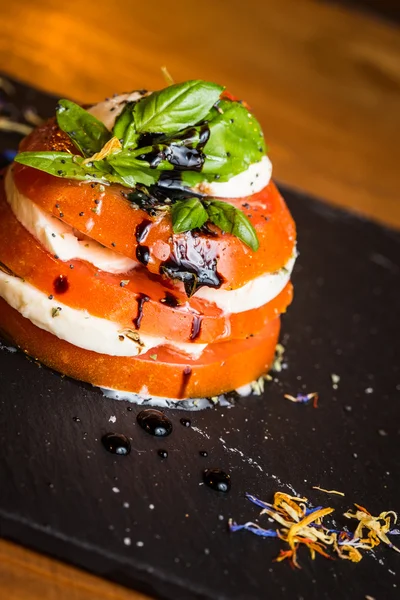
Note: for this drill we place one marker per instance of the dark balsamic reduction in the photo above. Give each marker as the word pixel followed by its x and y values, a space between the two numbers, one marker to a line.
pixel 170 186
pixel 217 480
pixel 116 443
pixel 154 422
pixel 141 301
pixel 184 154
pixel 194 262
pixel 61 284
pixel 196 328
pixel 186 422
pixel 143 254
pixel 170 300
pixel 203 453
pixel 162 453
pixel 142 230
pixel 149 139
pixel 186 375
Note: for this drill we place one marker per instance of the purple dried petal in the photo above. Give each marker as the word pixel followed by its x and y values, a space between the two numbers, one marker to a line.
pixel 253 528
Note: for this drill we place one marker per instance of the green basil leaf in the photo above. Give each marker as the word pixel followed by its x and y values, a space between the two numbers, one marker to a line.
pixel 125 128
pixel 230 219
pixel 236 141
pixel 187 215
pixel 63 164
pixel 176 106
pixel 132 170
pixel 87 133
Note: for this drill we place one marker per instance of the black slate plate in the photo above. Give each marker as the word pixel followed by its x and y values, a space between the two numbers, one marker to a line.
pixel 63 494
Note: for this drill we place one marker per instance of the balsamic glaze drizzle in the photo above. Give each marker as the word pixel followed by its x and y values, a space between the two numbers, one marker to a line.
pixel 143 254
pixel 196 328
pixel 142 298
pixel 186 375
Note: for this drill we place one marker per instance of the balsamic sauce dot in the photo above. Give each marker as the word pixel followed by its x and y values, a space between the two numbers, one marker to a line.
pixel 217 480
pixel 116 443
pixel 203 453
pixel 61 284
pixel 162 453
pixel 154 422
pixel 186 422
pixel 76 419
pixel 143 254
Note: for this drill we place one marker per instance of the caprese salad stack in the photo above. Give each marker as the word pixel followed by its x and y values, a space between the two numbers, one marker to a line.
pixel 143 245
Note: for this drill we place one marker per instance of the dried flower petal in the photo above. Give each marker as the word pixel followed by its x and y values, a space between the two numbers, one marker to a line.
pixel 303 525
pixel 316 487
pixel 303 398
pixel 113 145
pixel 253 527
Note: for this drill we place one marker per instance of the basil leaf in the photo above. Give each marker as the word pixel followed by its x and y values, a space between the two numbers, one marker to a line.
pixel 187 215
pixel 176 106
pixel 236 141
pixel 63 164
pixel 230 219
pixel 132 170
pixel 87 133
pixel 125 128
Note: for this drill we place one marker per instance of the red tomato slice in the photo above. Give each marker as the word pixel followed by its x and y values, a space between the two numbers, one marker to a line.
pixel 222 366
pixel 141 295
pixel 114 220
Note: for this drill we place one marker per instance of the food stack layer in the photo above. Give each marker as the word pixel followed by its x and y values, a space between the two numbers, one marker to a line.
pixel 143 245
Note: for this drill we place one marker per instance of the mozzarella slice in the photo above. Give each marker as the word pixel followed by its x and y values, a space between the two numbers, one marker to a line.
pixel 108 110
pixel 80 328
pixel 253 294
pixel 251 181
pixel 59 238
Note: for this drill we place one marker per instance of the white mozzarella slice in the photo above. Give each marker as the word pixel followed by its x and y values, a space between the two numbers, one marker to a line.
pixel 249 182
pixel 108 110
pixel 253 294
pixel 60 239
pixel 78 327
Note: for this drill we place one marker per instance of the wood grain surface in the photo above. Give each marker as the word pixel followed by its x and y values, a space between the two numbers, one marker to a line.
pixel 323 80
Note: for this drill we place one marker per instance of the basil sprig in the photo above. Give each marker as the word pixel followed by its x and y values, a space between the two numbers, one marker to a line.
pixel 186 129
pixel 193 213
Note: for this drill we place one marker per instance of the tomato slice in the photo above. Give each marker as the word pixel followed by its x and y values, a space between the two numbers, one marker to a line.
pixel 222 366
pixel 123 299
pixel 114 220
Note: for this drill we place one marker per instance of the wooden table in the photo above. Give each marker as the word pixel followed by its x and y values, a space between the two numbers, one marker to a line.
pixel 324 81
